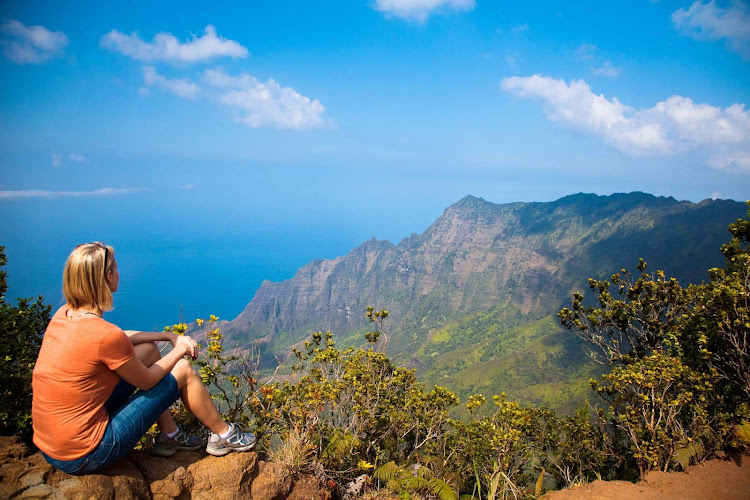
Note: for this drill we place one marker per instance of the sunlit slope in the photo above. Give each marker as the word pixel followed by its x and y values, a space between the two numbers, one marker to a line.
pixel 534 363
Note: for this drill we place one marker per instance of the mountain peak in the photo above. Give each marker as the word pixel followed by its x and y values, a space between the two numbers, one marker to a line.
pixel 470 207
pixel 471 201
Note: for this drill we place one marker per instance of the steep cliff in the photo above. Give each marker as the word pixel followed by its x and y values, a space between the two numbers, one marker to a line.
pixel 484 273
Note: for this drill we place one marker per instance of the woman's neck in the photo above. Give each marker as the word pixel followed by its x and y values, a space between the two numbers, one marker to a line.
pixel 83 312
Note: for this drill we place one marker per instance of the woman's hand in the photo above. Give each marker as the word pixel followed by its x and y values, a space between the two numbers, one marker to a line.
pixel 172 338
pixel 190 345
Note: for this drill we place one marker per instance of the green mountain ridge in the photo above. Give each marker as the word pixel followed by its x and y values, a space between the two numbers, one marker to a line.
pixel 473 298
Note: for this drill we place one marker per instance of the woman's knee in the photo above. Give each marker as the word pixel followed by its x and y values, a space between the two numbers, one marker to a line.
pixel 148 353
pixel 182 371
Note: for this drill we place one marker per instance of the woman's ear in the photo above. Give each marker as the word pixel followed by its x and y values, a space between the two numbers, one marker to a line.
pixel 112 277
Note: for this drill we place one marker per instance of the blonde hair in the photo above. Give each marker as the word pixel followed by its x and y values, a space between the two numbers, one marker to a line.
pixel 84 278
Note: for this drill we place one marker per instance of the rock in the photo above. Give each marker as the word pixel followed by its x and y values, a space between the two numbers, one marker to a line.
pixel 92 486
pixel 223 478
pixel 272 483
pixel 35 476
pixel 167 479
pixel 308 488
pixel 127 480
pixel 141 476
pixel 39 491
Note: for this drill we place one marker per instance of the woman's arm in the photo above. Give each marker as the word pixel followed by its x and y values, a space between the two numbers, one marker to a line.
pixel 136 373
pixel 137 337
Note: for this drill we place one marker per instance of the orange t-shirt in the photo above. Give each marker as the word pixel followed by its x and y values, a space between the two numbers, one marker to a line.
pixel 72 380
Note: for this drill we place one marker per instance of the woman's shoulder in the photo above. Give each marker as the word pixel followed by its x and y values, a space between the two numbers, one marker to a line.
pixel 107 328
pixel 82 324
pixel 61 311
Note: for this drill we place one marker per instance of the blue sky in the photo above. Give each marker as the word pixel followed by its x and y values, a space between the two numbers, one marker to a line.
pixel 351 119
pixel 508 100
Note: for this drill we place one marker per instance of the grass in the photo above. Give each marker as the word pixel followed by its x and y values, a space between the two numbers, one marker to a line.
pixel 294 451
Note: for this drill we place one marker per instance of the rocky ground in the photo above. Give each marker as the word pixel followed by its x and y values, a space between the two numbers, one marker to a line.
pixel 242 476
pixel 143 476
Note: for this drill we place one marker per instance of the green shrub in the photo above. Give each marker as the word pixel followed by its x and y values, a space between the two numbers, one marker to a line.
pixel 21 330
pixel 356 406
pixel 660 404
pixel 631 317
pixel 574 449
pixel 495 453
pixel 680 388
pixel 230 376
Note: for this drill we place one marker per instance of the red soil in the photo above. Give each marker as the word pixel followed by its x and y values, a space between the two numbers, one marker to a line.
pixel 717 479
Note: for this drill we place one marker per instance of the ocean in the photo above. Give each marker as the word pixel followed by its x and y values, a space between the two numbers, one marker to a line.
pixel 164 281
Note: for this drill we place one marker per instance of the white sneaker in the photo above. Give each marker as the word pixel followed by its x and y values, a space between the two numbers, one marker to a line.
pixel 235 441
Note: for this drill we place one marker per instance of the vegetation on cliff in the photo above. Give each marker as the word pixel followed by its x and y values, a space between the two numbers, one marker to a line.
pixel 477 292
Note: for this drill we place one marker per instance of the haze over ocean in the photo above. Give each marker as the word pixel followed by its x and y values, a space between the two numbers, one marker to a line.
pixel 231 144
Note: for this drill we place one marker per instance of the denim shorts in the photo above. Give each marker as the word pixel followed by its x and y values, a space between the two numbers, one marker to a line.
pixel 131 415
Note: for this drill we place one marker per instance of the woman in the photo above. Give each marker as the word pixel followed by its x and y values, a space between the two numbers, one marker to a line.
pixel 86 410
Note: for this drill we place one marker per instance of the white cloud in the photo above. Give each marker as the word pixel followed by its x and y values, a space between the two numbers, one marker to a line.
pixel 711 22
pixel 671 126
pixel 254 103
pixel 606 69
pixel 39 193
pixel 259 104
pixel 57 159
pixel 165 47
pixel 521 28
pixel 421 10
pixel 181 87
pixel 589 52
pixel 218 78
pixel 78 158
pixel 586 51
pixel 32 44
pixel 737 161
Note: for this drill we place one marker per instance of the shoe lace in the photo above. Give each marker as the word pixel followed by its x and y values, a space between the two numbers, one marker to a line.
pixel 239 433
pixel 182 437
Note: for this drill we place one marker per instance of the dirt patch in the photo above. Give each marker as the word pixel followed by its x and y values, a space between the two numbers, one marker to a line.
pixel 722 478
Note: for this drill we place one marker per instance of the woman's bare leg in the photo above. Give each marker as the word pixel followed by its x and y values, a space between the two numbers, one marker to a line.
pixel 196 397
pixel 149 354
